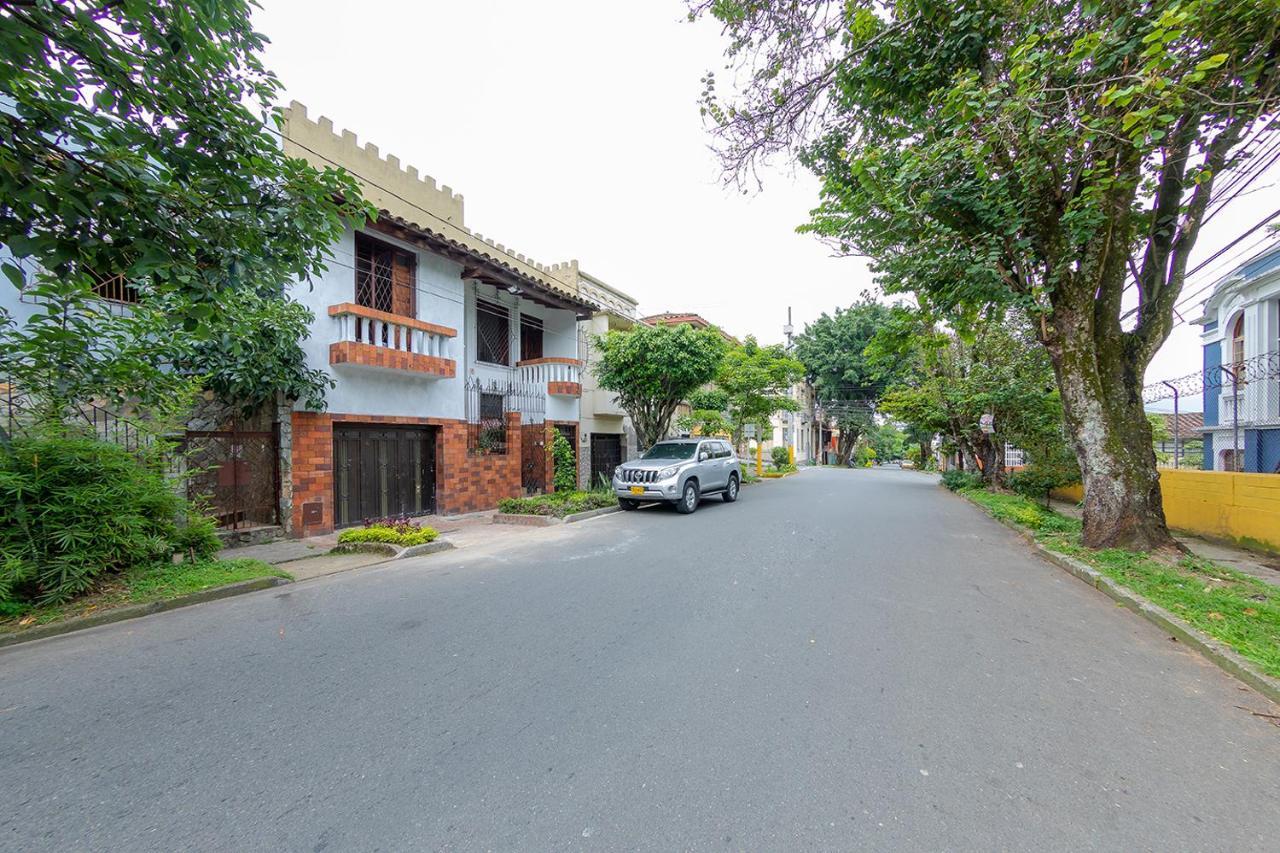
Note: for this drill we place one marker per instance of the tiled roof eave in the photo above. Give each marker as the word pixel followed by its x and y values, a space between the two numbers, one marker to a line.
pixel 479 250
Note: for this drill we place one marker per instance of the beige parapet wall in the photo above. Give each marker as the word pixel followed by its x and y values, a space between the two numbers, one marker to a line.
pixel 1218 504
pixel 406 195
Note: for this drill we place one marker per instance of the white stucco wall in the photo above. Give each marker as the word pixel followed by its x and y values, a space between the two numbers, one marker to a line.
pixel 369 390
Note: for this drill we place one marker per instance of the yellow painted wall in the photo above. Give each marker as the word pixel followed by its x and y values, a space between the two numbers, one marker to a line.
pixel 1219 504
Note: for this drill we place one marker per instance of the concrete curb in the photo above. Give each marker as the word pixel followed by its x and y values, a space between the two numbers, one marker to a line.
pixel 390 551
pixel 1219 653
pixel 133 611
pixel 591 513
pixel 526 520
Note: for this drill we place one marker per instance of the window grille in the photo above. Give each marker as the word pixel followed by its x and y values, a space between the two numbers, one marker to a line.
pixel 386 277
pixel 493 325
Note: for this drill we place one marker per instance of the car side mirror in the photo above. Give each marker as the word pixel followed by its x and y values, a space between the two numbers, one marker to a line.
pixel 704 456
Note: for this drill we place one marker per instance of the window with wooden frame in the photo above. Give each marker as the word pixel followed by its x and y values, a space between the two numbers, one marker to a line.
pixel 386 276
pixel 530 337
pixel 1237 351
pixel 493 329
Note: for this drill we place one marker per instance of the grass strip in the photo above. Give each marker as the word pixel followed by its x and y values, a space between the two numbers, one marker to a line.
pixel 140 585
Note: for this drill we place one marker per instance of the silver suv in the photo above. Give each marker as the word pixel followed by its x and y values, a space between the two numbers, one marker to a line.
pixel 679 471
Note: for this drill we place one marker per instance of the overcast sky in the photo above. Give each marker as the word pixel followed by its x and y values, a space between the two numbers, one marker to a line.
pixel 572 130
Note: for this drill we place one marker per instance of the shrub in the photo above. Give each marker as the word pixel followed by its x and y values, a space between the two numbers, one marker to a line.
pixel 391 531
pixel 198 538
pixel 1037 481
pixel 73 509
pixel 557 504
pixel 781 457
pixel 566 466
pixel 959 481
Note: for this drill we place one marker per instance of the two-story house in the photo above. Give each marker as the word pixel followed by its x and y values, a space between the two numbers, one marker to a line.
pixel 452 356
pixel 1241 339
pixel 608 436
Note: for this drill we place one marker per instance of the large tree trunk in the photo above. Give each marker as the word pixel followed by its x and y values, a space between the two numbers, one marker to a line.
pixel 992 456
pixel 1101 385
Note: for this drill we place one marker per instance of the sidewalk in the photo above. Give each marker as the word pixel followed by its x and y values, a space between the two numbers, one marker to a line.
pixel 310 557
pixel 1264 567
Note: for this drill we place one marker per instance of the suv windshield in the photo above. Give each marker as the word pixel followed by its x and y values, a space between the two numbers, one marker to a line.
pixel 672 450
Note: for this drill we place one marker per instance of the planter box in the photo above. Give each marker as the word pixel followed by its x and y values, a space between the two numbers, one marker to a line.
pixel 392 552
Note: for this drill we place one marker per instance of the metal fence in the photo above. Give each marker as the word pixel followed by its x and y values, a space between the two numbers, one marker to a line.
pixel 236 474
pixel 1243 394
pixel 487 405
pixel 18 412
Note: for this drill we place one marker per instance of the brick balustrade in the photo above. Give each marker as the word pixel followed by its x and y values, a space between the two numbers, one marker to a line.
pixel 378 339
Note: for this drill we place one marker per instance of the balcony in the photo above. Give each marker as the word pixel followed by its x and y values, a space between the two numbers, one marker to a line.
pixel 604 404
pixel 562 376
pixel 376 339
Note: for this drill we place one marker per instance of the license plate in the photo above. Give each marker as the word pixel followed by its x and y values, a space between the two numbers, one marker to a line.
pixel 637 490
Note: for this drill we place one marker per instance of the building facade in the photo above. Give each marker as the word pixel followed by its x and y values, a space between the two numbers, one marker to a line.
pixel 452 356
pixel 608 437
pixel 1241 340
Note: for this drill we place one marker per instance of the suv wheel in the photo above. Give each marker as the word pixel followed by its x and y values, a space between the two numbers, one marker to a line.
pixel 731 490
pixel 688 498
pixel 628 504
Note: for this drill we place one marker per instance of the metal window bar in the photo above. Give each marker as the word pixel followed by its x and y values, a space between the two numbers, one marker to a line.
pixel 487 405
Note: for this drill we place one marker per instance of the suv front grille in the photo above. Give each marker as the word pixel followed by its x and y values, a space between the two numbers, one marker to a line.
pixel 634 475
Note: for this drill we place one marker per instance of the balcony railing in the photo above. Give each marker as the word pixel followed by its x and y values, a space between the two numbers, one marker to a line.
pixel 561 376
pixel 373 338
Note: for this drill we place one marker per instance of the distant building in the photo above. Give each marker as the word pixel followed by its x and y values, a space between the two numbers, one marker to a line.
pixel 1241 341
pixel 1186 429
pixel 686 319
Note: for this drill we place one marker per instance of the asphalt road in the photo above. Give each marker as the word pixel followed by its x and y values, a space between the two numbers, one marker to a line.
pixel 841 660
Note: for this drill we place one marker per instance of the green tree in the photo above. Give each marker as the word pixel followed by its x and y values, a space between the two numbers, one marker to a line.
pixel 652 369
pixel 757 382
pixel 137 149
pixel 1038 154
pixel 996 368
pixel 888 441
pixel 707 414
pixel 847 380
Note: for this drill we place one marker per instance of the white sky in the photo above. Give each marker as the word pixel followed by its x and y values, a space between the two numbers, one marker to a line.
pixel 572 130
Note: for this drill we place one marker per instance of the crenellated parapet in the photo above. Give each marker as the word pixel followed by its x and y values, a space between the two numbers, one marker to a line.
pixel 401 193
pixel 397 189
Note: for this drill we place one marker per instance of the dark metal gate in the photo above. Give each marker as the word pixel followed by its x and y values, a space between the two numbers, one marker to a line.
pixel 533 458
pixel 382 471
pixel 606 454
pixel 237 474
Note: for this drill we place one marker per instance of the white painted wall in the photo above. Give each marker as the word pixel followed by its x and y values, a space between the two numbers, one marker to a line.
pixel 375 391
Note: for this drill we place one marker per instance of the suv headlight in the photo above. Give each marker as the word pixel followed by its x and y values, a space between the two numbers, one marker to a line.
pixel 669 472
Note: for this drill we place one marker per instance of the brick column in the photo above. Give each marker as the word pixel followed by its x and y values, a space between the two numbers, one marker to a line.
pixel 312 473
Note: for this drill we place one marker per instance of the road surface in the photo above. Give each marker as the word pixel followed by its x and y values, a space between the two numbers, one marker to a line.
pixel 841 660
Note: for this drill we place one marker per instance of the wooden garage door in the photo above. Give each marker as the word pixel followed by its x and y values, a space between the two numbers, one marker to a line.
pixel 382 471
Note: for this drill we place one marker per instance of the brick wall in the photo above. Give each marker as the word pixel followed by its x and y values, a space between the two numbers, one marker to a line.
pixel 464 482
pixel 352 352
pixel 312 473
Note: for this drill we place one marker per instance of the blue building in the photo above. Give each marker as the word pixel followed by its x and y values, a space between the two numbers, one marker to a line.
pixel 1241 341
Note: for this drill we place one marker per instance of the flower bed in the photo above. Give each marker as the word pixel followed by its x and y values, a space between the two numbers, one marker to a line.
pixel 391 531
pixel 557 504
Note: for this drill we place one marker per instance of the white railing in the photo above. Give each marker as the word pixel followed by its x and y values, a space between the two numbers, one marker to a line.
pixel 540 371
pixel 407 335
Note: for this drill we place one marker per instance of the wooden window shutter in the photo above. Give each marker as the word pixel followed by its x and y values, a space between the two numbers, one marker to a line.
pixel 404 285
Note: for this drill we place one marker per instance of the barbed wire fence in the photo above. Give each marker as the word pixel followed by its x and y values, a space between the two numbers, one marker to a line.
pixel 1243 395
